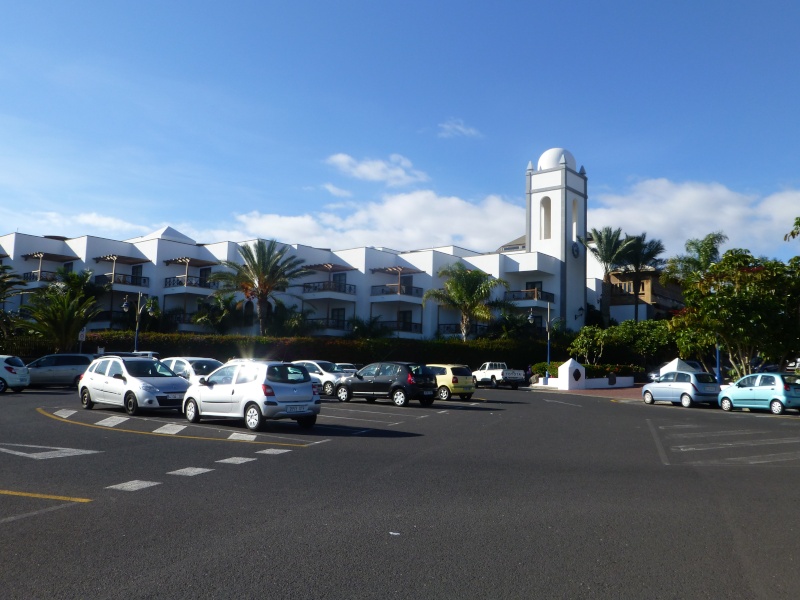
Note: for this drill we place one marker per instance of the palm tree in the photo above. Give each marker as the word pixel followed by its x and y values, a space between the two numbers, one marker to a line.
pixel 641 255
pixel 609 249
pixel 58 314
pixel 468 291
pixel 265 270
pixel 369 328
pixel 11 284
pixel 700 255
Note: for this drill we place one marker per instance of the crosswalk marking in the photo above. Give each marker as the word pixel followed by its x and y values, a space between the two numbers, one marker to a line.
pixel 112 421
pixel 133 486
pixel 190 471
pixel 65 414
pixel 247 437
pixel 272 451
pixel 170 429
pixel 235 460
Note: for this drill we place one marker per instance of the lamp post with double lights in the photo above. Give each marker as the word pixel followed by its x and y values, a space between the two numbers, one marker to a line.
pixel 548 327
pixel 139 308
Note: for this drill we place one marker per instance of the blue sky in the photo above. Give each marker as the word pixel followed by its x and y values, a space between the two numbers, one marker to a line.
pixel 398 124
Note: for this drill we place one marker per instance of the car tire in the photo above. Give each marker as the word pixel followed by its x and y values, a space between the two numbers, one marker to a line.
pixel 427 401
pixel 494 383
pixel 253 418
pixel 444 393
pixel 648 398
pixel 307 422
pixel 343 394
pixel 75 382
pixel 86 399
pixel 465 396
pixel 3 385
pixel 475 382
pixel 726 404
pixel 399 397
pixel 192 412
pixel 328 388
pixel 131 404
pixel 776 407
pixel 686 401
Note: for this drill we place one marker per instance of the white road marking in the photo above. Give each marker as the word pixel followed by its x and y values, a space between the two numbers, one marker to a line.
pixel 133 486
pixel 248 437
pixel 359 419
pixel 170 429
pixel 273 451
pixel 49 451
pixel 559 402
pixel 112 421
pixel 235 460
pixel 752 460
pixel 65 414
pixel 190 471
pixel 746 443
pixel 37 512
pixel 709 434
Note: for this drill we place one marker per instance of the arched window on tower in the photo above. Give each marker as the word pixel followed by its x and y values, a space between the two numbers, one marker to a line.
pixel 574 220
pixel 545 217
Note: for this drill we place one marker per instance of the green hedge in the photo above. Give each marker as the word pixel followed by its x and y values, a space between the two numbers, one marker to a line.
pixel 592 371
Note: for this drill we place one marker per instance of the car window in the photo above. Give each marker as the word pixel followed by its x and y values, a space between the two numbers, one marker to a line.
pixel 100 367
pixel 114 368
pixel 287 373
pixel 419 369
pixel 791 379
pixel 45 361
pixel 311 368
pixel 682 378
pixel 706 378
pixel 14 361
pixel 147 368
pixel 329 367
pixel 767 380
pixel 462 371
pixel 438 370
pixel 388 370
pixel 247 373
pixel 222 376
pixel 71 360
pixel 204 367
pixel 369 370
pixel 748 381
pixel 668 377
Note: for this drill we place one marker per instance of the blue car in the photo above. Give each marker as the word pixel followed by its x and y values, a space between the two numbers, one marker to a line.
pixel 775 391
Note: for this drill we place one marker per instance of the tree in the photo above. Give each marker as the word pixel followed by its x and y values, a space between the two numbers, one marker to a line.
pixel 58 313
pixel 11 284
pixel 609 249
pixel 794 232
pixel 641 255
pixel 266 269
pixel 700 255
pixel 468 291
pixel 218 312
pixel 369 328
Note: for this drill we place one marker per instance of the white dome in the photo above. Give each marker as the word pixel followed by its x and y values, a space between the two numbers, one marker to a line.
pixel 552 159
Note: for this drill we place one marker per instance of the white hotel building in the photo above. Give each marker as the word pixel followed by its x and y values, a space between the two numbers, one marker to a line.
pixel 546 268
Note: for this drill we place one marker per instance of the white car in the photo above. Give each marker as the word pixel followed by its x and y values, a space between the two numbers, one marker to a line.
pixel 348 368
pixel 132 382
pixel 192 368
pixel 326 372
pixel 255 390
pixel 13 373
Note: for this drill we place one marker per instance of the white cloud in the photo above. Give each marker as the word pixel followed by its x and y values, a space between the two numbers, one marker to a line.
pixel 335 191
pixel 675 212
pixel 457 128
pixel 397 171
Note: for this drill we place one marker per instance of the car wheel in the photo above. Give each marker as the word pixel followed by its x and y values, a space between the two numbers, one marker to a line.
pixel 399 397
pixel 444 393
pixel 86 399
pixel 131 405
pixel 253 417
pixel 686 401
pixel 475 382
pixel 726 404
pixel 192 413
pixel 307 422
pixel 776 406
pixel 648 398
pixel 75 382
pixel 427 401
pixel 328 388
pixel 3 385
pixel 343 394
pixel 494 383
pixel 465 396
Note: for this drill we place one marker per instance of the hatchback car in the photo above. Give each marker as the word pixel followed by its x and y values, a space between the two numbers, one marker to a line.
pixel 399 381
pixel 255 390
pixel 453 379
pixel 775 391
pixel 327 372
pixel 132 382
pixel 13 374
pixel 192 368
pixel 682 387
pixel 59 369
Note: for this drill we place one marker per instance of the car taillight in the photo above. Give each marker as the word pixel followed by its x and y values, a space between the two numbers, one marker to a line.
pixel 410 379
pixel 694 387
pixel 787 387
pixel 316 388
pixel 268 391
pixel 11 370
pixel 455 379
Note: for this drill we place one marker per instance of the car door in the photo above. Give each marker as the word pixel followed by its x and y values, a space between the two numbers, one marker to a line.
pixel 664 388
pixel 41 371
pixel 94 380
pixel 764 390
pixel 384 378
pixel 744 392
pixel 215 397
pixel 363 380
pixel 115 383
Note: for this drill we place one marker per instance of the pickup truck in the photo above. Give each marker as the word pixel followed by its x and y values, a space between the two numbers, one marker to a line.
pixel 495 374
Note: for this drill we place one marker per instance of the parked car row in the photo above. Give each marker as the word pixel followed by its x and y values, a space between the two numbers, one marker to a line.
pixel 772 391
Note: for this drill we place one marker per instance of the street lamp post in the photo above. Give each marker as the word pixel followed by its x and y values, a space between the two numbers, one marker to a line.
pixel 531 320
pixel 139 308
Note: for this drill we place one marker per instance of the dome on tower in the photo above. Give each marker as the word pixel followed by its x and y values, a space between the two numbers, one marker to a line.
pixel 553 158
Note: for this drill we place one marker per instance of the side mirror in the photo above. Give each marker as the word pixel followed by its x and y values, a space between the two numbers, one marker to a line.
pixel 119 376
pixel 202 381
pixel 359 376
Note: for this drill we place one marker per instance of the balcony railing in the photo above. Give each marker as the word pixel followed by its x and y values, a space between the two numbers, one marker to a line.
pixel 180 317
pixel 339 324
pixel 403 326
pixel 112 316
pixel 123 279
pixel 533 294
pixel 329 286
pixel 395 290
pixel 455 328
pixel 190 281
pixel 40 276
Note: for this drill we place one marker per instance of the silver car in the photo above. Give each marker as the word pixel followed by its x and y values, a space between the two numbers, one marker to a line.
pixel 682 387
pixel 192 368
pixel 131 382
pixel 59 369
pixel 255 390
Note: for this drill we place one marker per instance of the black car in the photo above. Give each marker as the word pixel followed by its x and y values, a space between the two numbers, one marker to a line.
pixel 398 381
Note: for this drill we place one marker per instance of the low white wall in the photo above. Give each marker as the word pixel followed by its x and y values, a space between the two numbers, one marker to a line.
pixel 588 384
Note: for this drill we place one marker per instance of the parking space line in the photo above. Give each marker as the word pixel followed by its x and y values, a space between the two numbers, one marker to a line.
pixel 37 512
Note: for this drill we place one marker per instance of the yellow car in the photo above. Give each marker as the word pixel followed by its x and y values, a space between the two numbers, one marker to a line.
pixel 453 379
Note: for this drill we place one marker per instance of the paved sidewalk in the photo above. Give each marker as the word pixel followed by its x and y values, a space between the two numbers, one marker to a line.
pixel 631 393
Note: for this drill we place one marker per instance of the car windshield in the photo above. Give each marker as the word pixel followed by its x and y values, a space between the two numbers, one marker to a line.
pixel 204 367
pixel 14 361
pixel 329 367
pixel 791 379
pixel 147 368
pixel 463 371
pixel 419 370
pixel 706 378
pixel 287 374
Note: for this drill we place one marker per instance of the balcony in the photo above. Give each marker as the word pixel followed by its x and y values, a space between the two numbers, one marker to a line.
pixel 396 290
pixel 338 324
pixel 406 326
pixel 180 317
pixel 328 289
pixel 475 329
pixel 122 279
pixel 534 294
pixel 190 281
pixel 40 276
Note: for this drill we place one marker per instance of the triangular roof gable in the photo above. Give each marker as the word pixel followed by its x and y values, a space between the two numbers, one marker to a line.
pixel 676 365
pixel 165 233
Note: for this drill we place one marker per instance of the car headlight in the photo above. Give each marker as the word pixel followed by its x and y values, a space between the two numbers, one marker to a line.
pixel 149 388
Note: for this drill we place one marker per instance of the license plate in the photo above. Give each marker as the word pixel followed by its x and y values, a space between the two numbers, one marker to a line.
pixel 174 396
pixel 710 388
pixel 427 393
pixel 293 409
